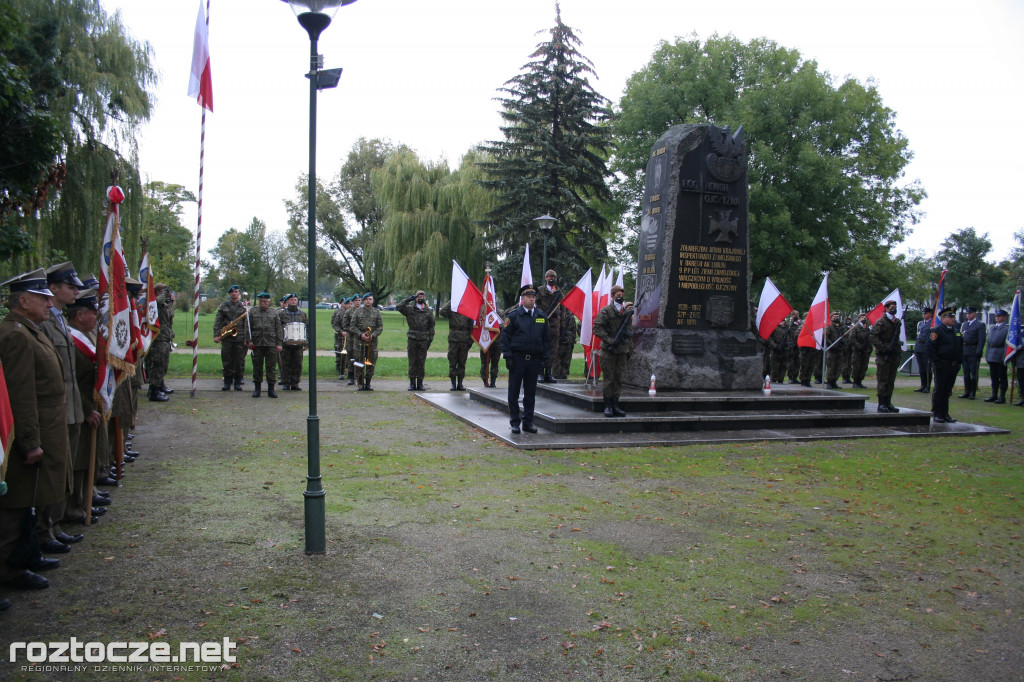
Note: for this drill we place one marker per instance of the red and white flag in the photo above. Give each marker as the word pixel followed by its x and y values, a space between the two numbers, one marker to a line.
pixel 151 314
pixel 580 302
pixel 200 81
pixel 6 423
pixel 114 334
pixel 488 325
pixel 812 335
pixel 876 313
pixel 527 276
pixel 772 309
pixel 466 298
pixel 619 280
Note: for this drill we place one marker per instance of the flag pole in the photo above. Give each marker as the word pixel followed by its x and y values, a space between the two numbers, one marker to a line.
pixel 199 236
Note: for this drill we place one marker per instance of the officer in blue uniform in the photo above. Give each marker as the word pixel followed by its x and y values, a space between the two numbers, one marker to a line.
pixel 945 350
pixel 924 331
pixel 525 343
pixel 973 332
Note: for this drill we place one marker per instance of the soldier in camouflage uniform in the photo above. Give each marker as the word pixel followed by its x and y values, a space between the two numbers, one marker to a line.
pixel 566 345
pixel 860 351
pixel 160 350
pixel 792 349
pixel 885 337
pixel 547 296
pixel 847 351
pixel 365 326
pixel 613 357
pixel 291 353
pixel 778 341
pixel 460 340
pixel 420 318
pixel 337 324
pixel 350 341
pixel 834 335
pixel 232 344
pixel 264 336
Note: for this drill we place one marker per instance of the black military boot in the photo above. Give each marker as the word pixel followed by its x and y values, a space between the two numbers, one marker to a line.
pixel 548 379
pixel 258 390
pixel 608 411
pixel 1002 397
pixel 238 383
pixel 452 377
pixel 494 378
pixel 459 386
pixel 419 384
pixel 992 398
pixel 270 389
pixel 156 396
pixel 227 384
pixel 366 385
pixel 164 389
pixel 351 378
pixel 616 409
pixel 412 385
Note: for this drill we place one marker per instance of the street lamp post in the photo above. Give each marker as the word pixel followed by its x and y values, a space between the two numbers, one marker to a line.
pixel 314 16
pixel 546 222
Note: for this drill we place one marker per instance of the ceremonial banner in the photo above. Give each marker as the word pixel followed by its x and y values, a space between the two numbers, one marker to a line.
pixel 114 333
pixel 466 298
pixel 488 326
pixel 1013 333
pixel 6 423
pixel 940 299
pixel 151 314
pixel 812 335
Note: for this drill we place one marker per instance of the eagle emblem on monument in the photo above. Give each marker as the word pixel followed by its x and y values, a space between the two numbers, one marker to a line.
pixel 728 158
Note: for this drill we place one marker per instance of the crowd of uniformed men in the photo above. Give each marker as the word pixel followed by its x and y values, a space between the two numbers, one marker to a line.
pixel 940 352
pixel 64 452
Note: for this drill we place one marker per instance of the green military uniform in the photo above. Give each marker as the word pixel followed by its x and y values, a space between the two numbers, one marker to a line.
pixel 566 344
pixel 885 338
pixel 419 336
pixel 546 297
pixel 291 353
pixel 778 341
pixel 860 352
pixel 810 364
pixel 39 408
pixel 836 354
pixel 613 357
pixel 232 348
pixel 847 365
pixel 337 324
pixel 350 342
pixel 264 335
pixel 360 320
pixel 793 352
pixel 160 350
pixel 460 340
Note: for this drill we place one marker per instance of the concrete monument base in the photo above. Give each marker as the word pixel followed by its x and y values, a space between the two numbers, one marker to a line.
pixel 694 361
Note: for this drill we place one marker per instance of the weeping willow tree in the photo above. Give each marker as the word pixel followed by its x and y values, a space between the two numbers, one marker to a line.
pixel 430 218
pixel 97 78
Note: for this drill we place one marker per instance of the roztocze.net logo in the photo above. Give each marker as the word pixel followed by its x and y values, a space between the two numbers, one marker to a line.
pixel 119 655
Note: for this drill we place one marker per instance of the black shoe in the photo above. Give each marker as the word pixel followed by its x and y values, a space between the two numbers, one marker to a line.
pixel 129 458
pixel 69 539
pixel 460 387
pixel 616 410
pixel 965 395
pixel 351 382
pixel 166 390
pixel 893 408
pixel 157 396
pixel 515 428
pixel 939 420
pixel 805 384
pixel 529 428
pixel 920 390
pixel 28 581
pixel 412 385
pixel 100 501
pixel 295 387
pixel 833 385
pixel 5 604
pixel 1000 401
pixel 846 380
pixel 608 411
pixel 883 408
pixel 44 564
pixel 990 399
pixel 270 390
pixel 859 385
pixel 258 391
pixel 419 384
pixel 226 386
pixel 98 511
pixel 54 547
pixel 102 493
pixel 238 385
pixel 108 481
pixel 950 420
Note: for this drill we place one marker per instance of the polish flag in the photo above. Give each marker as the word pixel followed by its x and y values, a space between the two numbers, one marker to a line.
pixel 114 335
pixel 812 335
pixel 580 302
pixel 151 314
pixel 466 298
pixel 619 280
pixel 879 310
pixel 200 81
pixel 772 309
pixel 488 324
pixel 527 276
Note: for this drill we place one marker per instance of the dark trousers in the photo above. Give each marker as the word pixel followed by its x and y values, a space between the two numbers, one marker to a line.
pixel 945 377
pixel 924 364
pixel 885 373
pixel 416 351
pixel 232 359
pixel 523 375
pixel 264 357
pixel 291 364
pixel 490 357
pixel 998 372
pixel 970 368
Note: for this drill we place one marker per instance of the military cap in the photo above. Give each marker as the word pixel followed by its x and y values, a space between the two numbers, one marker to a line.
pixel 947 312
pixel 892 301
pixel 287 296
pixel 133 285
pixel 927 311
pixel 33 282
pixel 617 288
pixel 63 272
pixel 550 273
pixel 263 294
pixel 89 281
pixel 999 311
pixel 421 292
pixel 86 299
pixel 234 287
pixel 970 309
pixel 527 290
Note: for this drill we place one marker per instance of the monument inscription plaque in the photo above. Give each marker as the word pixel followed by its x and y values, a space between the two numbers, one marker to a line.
pixel 693 265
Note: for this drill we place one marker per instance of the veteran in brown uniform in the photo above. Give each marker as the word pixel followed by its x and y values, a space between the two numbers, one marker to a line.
pixel 37 470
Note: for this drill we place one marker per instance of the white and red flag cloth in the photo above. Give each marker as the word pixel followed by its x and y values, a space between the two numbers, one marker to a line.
pixel 580 302
pixel 1013 332
pixel 619 280
pixel 6 423
pixel 772 309
pixel 466 298
pixel 151 314
pixel 200 80
pixel 812 335
pixel 876 313
pixel 114 337
pixel 488 325
pixel 527 276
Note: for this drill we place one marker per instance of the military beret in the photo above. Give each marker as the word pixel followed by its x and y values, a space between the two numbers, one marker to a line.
pixel 263 294
pixel 368 294
pixel 234 287
pixel 550 273
pixel 527 290
pixel 63 272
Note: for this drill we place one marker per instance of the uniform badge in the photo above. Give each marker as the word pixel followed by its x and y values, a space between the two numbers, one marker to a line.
pixel 541 320
pixel 934 335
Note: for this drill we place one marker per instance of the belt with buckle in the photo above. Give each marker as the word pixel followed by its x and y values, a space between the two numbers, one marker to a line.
pixel 526 357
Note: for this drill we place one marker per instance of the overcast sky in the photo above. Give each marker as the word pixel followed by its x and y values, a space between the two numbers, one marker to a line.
pixel 425 74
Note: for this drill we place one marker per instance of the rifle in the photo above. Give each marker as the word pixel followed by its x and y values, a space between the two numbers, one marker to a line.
pixel 613 346
pixel 891 348
pixel 555 304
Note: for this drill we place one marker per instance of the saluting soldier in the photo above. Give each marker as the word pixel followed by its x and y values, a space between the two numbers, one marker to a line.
pixel 291 352
pixel 885 335
pixel 365 325
pixel 38 474
pixel 945 350
pixel 232 341
pixel 924 364
pixel 973 333
pixel 420 318
pixel 338 326
pixel 159 354
pixel 264 336
pixel 610 320
pixel 525 343
pixel 63 283
pixel 549 299
pixel 460 340
pixel 834 335
pixel 860 350
pixel 994 357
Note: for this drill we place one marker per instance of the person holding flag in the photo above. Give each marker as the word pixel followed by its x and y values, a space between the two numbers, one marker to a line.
pixel 160 349
pixel 1013 347
pixel 460 340
pixel 994 356
pixel 486 332
pixel 885 337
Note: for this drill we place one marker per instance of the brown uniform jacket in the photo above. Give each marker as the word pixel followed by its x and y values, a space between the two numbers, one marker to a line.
pixel 607 325
pixel 34 371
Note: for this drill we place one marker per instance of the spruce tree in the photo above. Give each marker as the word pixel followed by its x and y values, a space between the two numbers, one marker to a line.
pixel 551 161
